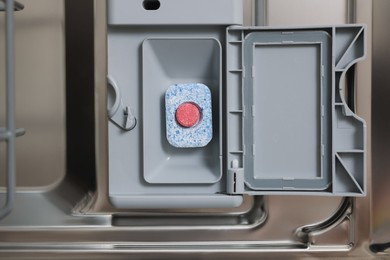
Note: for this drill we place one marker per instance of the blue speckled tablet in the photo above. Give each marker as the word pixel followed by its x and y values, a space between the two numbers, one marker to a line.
pixel 201 133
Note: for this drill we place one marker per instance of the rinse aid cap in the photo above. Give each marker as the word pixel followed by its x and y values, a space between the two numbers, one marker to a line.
pixel 188 112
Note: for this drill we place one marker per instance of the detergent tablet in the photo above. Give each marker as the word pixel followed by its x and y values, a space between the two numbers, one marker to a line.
pixel 188 113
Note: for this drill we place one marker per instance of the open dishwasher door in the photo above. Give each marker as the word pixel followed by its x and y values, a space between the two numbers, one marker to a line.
pixel 91 211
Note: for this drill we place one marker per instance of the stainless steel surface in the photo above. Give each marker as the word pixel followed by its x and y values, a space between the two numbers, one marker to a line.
pixel 40 94
pixel 380 125
pixel 75 220
pixel 306 12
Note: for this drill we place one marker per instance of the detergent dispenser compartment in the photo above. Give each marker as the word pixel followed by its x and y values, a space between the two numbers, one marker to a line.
pixel 209 110
pixel 179 61
pixel 155 165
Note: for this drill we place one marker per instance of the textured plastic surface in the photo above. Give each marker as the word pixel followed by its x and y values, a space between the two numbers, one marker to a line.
pixel 289 128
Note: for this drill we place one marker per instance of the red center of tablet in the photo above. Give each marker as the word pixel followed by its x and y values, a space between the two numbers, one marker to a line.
pixel 188 114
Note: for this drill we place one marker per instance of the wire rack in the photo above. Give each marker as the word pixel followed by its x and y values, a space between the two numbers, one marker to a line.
pixel 9 133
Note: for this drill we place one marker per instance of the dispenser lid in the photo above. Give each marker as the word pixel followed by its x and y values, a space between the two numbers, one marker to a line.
pixel 287 110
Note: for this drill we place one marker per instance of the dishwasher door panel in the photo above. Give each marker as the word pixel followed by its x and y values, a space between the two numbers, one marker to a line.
pixel 62 208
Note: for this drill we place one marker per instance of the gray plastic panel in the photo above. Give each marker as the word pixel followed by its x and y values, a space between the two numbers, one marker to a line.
pixel 168 61
pixel 145 57
pixel 288 83
pixel 289 128
pixel 174 12
pixel 281 124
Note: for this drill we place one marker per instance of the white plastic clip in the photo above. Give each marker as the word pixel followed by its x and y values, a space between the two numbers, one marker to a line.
pixel 120 115
pixel 130 119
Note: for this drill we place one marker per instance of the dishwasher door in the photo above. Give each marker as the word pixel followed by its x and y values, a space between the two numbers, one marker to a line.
pixel 62 207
